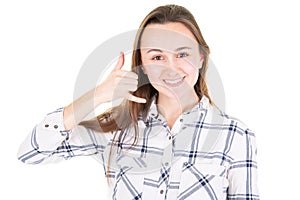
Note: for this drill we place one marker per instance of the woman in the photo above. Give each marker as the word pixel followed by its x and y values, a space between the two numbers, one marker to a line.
pixel 166 140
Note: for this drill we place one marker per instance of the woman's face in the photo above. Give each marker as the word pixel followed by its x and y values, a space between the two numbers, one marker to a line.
pixel 171 59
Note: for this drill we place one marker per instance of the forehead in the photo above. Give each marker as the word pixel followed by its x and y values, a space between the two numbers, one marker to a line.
pixel 168 36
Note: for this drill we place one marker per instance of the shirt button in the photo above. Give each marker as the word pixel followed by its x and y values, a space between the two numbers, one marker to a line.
pixel 55 126
pixel 161 191
pixel 181 120
pixel 46 125
pixel 166 164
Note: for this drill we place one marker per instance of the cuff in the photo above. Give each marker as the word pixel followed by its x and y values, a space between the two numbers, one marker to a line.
pixel 54 122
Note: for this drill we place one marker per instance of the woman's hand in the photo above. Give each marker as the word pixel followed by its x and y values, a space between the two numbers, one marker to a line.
pixel 118 84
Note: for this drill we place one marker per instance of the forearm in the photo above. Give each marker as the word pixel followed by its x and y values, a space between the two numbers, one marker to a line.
pixel 75 112
pixel 44 139
pixel 50 142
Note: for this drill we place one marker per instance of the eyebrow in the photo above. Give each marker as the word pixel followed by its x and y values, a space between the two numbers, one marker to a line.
pixel 159 50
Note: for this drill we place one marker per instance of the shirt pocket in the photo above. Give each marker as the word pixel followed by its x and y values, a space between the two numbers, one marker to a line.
pixel 128 185
pixel 129 180
pixel 202 181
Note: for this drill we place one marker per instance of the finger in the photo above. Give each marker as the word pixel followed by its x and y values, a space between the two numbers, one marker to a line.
pixel 136 99
pixel 125 81
pixel 120 62
pixel 125 89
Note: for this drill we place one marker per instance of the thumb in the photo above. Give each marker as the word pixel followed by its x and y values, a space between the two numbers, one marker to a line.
pixel 120 62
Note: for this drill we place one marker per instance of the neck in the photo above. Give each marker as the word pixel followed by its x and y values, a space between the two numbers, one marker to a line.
pixel 171 107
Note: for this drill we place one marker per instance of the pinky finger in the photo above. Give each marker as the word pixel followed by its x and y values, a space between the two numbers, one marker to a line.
pixel 130 97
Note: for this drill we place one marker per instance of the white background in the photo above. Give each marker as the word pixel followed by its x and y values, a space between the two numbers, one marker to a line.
pixel 254 45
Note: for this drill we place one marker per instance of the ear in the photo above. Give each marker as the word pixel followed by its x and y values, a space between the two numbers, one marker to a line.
pixel 201 61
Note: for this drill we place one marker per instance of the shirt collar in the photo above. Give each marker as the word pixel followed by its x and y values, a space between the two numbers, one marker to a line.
pixel 203 104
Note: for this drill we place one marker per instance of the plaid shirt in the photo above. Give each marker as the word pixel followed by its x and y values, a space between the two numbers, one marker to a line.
pixel 206 155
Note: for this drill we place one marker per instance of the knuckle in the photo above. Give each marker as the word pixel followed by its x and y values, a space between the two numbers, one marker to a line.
pixel 133 75
pixel 116 80
pixel 134 87
pixel 117 72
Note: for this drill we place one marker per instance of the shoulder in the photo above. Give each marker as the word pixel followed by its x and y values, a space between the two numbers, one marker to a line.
pixel 236 134
pixel 215 115
pixel 239 138
pixel 231 122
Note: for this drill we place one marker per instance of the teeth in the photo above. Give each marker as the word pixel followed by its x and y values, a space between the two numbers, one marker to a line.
pixel 173 81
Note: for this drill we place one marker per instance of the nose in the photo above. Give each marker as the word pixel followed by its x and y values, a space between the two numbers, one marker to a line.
pixel 173 65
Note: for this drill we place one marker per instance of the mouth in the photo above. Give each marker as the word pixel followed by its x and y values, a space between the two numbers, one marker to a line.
pixel 174 82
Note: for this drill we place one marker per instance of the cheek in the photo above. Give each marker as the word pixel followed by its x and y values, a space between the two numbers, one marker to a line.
pixel 194 60
pixel 152 73
pixel 193 74
pixel 190 68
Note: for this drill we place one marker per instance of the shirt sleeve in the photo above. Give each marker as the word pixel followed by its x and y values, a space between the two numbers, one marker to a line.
pixel 50 142
pixel 242 173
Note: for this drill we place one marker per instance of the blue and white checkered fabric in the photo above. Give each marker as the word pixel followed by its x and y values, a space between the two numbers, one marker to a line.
pixel 206 155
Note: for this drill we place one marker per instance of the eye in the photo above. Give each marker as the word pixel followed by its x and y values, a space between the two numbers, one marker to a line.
pixel 182 55
pixel 157 58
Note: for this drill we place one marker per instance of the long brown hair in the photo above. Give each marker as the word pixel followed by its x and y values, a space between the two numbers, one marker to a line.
pixel 127 113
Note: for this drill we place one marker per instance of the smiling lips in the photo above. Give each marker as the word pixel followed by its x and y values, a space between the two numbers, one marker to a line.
pixel 174 82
